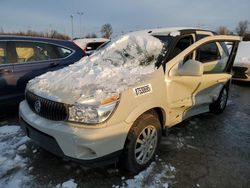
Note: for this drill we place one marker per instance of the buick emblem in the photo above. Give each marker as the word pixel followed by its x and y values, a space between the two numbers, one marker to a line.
pixel 37 106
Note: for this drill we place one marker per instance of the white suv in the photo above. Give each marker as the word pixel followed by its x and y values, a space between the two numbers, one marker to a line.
pixel 116 103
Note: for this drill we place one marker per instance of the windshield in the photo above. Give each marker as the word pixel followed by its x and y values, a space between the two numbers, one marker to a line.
pixel 140 50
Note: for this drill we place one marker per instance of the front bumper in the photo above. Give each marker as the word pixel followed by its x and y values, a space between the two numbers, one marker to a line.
pixel 79 143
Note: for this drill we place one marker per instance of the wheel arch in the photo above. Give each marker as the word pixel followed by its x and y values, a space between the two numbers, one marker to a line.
pixel 143 109
pixel 159 111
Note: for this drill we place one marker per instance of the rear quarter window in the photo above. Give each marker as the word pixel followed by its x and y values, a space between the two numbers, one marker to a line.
pixel 64 52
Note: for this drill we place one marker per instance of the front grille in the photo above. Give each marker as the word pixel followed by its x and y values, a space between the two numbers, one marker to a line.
pixel 239 72
pixel 46 108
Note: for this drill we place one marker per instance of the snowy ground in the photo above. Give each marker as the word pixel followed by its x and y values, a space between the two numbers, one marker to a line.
pixel 14 171
pixel 205 151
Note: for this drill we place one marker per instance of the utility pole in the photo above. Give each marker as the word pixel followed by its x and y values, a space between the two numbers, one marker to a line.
pixel 72 26
pixel 80 15
pixel 50 30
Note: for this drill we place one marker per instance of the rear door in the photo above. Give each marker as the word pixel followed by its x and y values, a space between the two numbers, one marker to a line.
pixel 36 58
pixel 190 95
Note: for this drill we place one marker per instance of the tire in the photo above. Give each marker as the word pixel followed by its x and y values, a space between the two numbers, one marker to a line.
pixel 218 106
pixel 139 150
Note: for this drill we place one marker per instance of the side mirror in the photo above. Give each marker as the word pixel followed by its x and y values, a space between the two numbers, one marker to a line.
pixel 190 68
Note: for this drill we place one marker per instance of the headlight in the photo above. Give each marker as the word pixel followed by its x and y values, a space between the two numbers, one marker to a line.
pixel 93 114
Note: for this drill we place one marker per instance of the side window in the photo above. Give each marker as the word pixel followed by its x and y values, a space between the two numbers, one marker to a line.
pixel 31 51
pixel 63 52
pixel 214 59
pixel 182 44
pixel 207 53
pixel 3 53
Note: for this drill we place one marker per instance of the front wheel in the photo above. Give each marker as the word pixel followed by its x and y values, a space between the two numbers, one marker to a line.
pixel 219 105
pixel 142 142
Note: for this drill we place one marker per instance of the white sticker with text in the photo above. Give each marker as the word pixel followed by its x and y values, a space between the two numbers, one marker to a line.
pixel 143 90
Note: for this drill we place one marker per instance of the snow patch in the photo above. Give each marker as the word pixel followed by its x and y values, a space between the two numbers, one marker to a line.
pixel 123 63
pixel 157 174
pixel 12 165
pixel 68 184
pixel 9 130
pixel 22 147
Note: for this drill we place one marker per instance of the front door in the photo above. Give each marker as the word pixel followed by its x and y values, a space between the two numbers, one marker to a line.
pixel 191 95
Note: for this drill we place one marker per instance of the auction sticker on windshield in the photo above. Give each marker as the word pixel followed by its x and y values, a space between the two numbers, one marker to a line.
pixel 142 90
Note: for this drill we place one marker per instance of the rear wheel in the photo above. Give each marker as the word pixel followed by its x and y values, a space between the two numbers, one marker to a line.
pixel 142 142
pixel 219 105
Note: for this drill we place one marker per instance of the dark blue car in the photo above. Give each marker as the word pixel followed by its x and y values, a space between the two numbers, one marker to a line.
pixel 23 58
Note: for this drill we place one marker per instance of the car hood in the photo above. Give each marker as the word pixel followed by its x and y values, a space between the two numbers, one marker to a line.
pixel 123 63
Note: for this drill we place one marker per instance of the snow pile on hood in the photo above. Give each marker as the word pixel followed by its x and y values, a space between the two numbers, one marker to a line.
pixel 121 64
pixel 243 54
pixel 13 167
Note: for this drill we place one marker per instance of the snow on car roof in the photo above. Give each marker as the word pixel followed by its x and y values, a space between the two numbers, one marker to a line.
pixel 243 54
pixel 122 63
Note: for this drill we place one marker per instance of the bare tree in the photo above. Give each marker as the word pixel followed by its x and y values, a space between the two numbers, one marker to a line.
pixel 106 31
pixel 242 27
pixel 223 30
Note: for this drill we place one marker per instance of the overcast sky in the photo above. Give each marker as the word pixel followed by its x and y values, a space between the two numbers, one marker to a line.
pixel 123 15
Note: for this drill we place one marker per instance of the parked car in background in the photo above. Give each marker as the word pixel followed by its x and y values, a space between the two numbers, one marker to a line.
pixel 117 103
pixel 241 68
pixel 89 45
pixel 23 58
